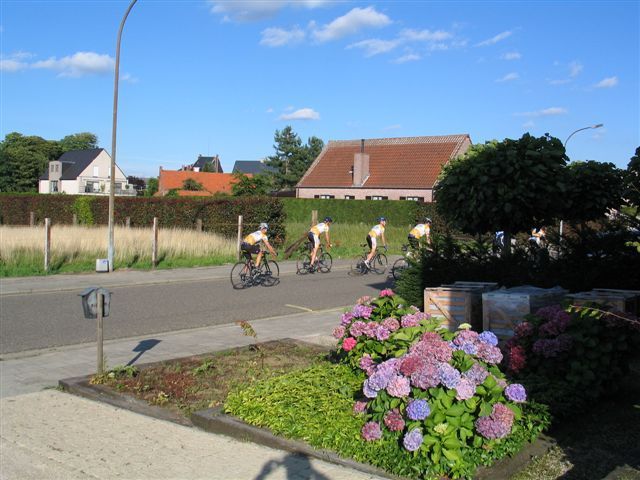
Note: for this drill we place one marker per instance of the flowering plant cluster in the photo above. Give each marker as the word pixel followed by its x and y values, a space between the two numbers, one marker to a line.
pixel 439 394
pixel 569 357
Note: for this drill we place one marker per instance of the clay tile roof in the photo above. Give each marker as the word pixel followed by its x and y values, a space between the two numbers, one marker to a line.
pixel 409 162
pixel 212 182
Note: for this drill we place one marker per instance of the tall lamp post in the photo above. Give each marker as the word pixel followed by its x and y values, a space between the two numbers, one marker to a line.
pixel 565 146
pixel 112 182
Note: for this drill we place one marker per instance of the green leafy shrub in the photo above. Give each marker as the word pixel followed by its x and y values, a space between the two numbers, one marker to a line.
pixel 82 209
pixel 569 358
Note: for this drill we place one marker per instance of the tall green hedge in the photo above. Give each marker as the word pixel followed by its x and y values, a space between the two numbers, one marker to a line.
pixel 401 212
pixel 218 215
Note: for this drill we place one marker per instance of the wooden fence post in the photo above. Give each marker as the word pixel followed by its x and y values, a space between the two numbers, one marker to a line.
pixel 239 236
pixel 314 217
pixel 47 243
pixel 75 219
pixel 32 219
pixel 199 224
pixel 154 247
pixel 127 222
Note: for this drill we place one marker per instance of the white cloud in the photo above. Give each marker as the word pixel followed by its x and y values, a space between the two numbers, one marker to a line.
pixel 547 112
pixel 278 37
pixel 375 47
pixel 350 23
pixel 11 65
pixel 509 77
pixel 575 68
pixel 301 114
pixel 424 35
pixel 127 77
pixel 607 82
pixel 496 39
pixel 409 57
pixel 511 56
pixel 78 64
pixel 252 10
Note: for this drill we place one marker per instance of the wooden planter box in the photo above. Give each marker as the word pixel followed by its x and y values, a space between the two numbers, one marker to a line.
pixel 503 309
pixel 621 300
pixel 458 303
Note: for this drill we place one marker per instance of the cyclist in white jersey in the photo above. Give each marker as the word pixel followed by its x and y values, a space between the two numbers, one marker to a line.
pixel 372 239
pixel 251 243
pixel 420 230
pixel 314 236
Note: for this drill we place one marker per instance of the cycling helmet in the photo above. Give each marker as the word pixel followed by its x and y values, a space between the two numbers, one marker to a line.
pixel 382 219
pixel 427 220
pixel 264 225
pixel 328 219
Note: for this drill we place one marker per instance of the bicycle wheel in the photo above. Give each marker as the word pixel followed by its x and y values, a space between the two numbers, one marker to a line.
pixel 269 273
pixel 302 264
pixel 399 266
pixel 379 264
pixel 358 267
pixel 325 262
pixel 240 277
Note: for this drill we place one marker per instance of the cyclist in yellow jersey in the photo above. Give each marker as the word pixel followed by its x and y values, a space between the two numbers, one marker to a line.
pixel 372 239
pixel 251 243
pixel 420 230
pixel 314 236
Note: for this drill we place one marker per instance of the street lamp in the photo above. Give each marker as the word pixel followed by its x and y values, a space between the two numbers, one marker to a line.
pixel 112 182
pixel 580 129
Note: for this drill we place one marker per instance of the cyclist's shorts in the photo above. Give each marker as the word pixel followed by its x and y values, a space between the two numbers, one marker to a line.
pixel 245 247
pixel 413 241
pixel 371 241
pixel 314 239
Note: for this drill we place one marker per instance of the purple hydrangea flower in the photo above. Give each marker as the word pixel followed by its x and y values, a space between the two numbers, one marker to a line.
pixel 359 406
pixel 489 353
pixel 368 391
pixel 346 318
pixel 371 431
pixel 488 337
pixel 382 333
pixel 426 377
pixel 465 389
pixel 477 374
pixel 516 393
pixel 412 440
pixel 362 311
pixel 367 364
pixel 358 328
pixel 496 425
pixel 409 320
pixel 469 348
pixel 449 376
pixel 399 386
pixel 418 410
pixel 391 324
pixel 338 332
pixel 393 420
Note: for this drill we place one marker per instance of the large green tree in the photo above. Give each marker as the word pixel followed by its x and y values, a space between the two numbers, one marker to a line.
pixel 512 185
pixel 23 159
pixel 632 180
pixel 245 185
pixel 291 159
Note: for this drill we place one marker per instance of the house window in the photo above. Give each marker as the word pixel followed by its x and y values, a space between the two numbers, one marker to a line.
pixel 53 186
pixel 96 171
pixel 376 197
pixel 91 187
pixel 349 197
pixel 51 168
pixel 57 167
pixel 326 196
pixel 414 199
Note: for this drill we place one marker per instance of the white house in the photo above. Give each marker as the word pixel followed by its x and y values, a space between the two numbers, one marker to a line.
pixel 83 172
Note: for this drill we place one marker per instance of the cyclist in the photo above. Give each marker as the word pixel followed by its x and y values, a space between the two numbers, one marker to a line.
pixel 372 239
pixel 420 230
pixel 538 237
pixel 251 243
pixel 314 236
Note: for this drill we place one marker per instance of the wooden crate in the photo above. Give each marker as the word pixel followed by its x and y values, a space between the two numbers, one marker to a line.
pixel 621 300
pixel 503 309
pixel 457 303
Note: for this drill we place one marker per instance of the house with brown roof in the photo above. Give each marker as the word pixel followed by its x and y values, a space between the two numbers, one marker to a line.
pixel 381 168
pixel 212 183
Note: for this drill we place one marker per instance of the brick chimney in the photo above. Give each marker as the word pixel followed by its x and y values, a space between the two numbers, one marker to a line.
pixel 360 166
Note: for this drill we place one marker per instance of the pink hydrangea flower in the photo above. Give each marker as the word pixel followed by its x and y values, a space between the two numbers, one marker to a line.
pixel 338 332
pixel 387 292
pixel 348 344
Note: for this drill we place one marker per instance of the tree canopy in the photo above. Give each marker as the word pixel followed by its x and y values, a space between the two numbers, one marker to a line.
pixel 23 159
pixel 250 186
pixel 512 185
pixel 291 159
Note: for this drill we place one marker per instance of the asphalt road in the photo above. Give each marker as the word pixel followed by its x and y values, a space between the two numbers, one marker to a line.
pixel 45 319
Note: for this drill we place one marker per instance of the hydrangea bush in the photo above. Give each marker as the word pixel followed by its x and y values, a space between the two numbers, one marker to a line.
pixel 439 394
pixel 570 357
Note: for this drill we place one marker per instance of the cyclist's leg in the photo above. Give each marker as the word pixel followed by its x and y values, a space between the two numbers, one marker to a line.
pixel 316 245
pixel 371 241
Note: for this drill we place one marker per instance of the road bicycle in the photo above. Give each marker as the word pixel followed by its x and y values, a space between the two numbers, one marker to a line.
pixel 323 261
pixel 377 265
pixel 245 273
pixel 401 264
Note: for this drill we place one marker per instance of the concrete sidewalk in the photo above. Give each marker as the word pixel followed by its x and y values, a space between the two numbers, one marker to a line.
pixel 45 433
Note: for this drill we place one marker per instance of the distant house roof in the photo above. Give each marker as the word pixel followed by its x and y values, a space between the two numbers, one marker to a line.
pixel 410 162
pixel 211 182
pixel 249 166
pixel 202 161
pixel 74 163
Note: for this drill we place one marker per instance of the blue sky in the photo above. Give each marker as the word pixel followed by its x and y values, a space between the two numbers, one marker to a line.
pixel 208 77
